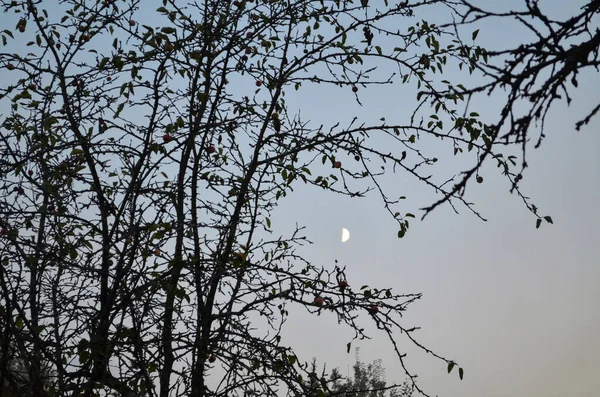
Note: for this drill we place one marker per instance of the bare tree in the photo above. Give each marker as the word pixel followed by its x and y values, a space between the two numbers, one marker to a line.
pixel 142 154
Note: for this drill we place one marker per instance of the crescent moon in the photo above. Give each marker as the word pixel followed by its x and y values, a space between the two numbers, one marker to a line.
pixel 345 235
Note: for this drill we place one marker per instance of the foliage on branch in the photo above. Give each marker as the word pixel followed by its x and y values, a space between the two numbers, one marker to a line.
pixel 143 153
pixel 533 77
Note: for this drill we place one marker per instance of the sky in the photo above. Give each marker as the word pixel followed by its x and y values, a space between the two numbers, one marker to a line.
pixel 516 307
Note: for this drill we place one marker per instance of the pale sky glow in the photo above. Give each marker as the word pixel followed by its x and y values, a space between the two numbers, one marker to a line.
pixel 517 308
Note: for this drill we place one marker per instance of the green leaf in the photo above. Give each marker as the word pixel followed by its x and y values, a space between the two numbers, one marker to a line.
pixel 268 222
pixel 292 359
pixel 348 347
pixel 538 223
pixel 49 121
pixel 475 33
pixel 84 356
pixel 548 219
pixel 450 366
pixel 119 110
pixel 378 50
pixel 460 373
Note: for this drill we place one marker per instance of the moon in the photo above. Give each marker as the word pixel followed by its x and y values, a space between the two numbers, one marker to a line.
pixel 345 235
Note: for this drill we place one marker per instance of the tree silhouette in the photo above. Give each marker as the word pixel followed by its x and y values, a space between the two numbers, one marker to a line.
pixel 18 376
pixel 534 75
pixel 143 153
pixel 368 380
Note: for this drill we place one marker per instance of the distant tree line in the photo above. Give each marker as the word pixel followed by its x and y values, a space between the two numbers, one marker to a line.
pixel 367 380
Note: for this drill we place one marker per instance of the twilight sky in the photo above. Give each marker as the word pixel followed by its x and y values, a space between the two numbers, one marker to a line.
pixel 516 307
